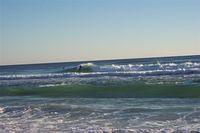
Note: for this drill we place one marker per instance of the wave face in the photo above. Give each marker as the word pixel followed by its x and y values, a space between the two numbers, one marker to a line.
pixel 168 70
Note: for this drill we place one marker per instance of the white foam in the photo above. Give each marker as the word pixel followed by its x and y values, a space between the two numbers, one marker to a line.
pixel 2 110
pixel 52 85
pixel 87 64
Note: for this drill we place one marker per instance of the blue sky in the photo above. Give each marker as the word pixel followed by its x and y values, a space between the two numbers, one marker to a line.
pixel 36 31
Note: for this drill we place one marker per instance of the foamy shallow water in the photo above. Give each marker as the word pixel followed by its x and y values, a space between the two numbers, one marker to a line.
pixel 32 114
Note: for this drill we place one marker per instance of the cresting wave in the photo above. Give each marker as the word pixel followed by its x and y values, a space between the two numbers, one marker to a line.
pixel 91 70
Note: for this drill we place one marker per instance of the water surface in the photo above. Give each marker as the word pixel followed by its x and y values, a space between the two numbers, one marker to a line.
pixel 138 95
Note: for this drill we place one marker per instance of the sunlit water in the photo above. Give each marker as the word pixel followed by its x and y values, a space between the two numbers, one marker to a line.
pixel 29 114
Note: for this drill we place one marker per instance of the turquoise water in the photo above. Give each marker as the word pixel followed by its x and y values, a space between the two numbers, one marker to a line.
pixel 136 95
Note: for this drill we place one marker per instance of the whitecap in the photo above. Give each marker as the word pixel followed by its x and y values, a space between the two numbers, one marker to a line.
pixel 87 64
pixel 2 110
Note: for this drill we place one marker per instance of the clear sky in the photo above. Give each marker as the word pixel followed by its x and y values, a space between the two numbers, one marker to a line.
pixel 36 31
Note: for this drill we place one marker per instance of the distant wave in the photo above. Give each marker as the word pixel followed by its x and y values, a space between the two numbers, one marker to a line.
pixel 128 73
pixel 110 71
pixel 136 67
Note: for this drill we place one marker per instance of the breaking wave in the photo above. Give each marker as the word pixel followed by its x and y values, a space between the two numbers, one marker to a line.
pixel 91 70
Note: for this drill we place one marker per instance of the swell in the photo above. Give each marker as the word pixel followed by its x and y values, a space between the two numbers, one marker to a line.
pixel 94 70
pixel 120 91
pixel 96 74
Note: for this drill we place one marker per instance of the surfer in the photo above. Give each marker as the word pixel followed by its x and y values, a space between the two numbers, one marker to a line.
pixel 79 68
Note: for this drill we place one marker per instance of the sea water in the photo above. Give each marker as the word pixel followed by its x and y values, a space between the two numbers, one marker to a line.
pixel 132 95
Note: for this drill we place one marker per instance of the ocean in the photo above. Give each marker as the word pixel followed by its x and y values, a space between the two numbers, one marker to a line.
pixel 128 95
